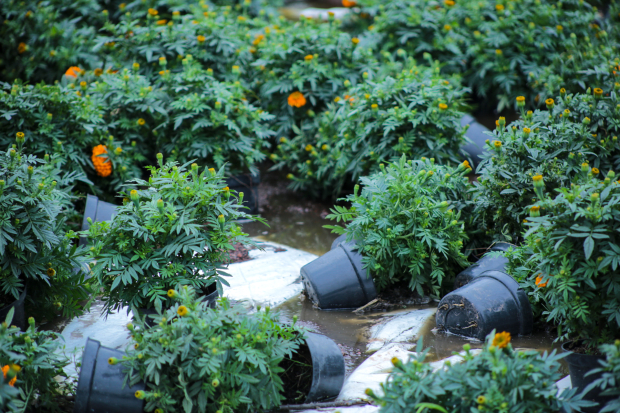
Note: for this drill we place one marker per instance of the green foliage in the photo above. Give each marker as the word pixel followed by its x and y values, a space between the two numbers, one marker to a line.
pixel 216 37
pixel 199 359
pixel 36 360
pixel 610 380
pixel 176 229
pixel 313 58
pixel 39 40
pixel 575 129
pixel 576 253
pixel 501 47
pixel 406 224
pixel 35 249
pixel 498 379
pixel 415 113
pixel 186 115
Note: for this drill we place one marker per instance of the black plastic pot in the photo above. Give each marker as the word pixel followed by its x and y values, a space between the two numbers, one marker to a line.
pixel 248 184
pixel 483 265
pixel 209 294
pixel 100 386
pixel 477 136
pixel 341 238
pixel 336 280
pixel 327 368
pixel 19 316
pixel 97 211
pixel 492 300
pixel 578 366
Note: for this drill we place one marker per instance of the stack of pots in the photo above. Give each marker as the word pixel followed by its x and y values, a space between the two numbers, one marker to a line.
pixel 337 279
pixel 486 299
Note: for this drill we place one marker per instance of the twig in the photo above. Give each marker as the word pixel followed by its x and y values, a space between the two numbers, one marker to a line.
pixel 362 308
pixel 310 406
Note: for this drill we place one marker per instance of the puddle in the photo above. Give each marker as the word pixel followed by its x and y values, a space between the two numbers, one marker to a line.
pixel 293 219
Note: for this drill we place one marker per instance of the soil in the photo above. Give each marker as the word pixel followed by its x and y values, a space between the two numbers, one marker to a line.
pixel 580 348
pixel 239 254
pixel 297 376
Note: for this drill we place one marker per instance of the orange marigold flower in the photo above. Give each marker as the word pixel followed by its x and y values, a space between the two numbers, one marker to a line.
pixel 102 164
pixel 21 48
pixel 162 22
pixel 349 3
pixel 201 39
pixel 443 106
pixel 5 371
pixel 73 71
pixel 355 40
pixel 449 3
pixel 539 282
pixel 499 7
pixel 501 340
pixel 153 12
pixel 296 99
pixel 308 57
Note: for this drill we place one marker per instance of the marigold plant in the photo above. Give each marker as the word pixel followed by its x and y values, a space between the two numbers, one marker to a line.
pixel 210 360
pixel 167 232
pixel 377 121
pixel 495 379
pixel 572 253
pixel 406 223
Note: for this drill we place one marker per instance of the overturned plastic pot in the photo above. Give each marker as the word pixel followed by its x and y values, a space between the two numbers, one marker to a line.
pixel 248 184
pixel 19 316
pixel 100 386
pixel 327 368
pixel 477 137
pixel 492 300
pixel 578 367
pixel 336 280
pixel 483 265
pixel 97 211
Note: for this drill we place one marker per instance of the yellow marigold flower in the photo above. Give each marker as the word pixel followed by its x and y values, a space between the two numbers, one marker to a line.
pixel 118 150
pixel 598 92
pixel 141 122
pixel 449 3
pixel 112 361
pixel 539 282
pixel 325 147
pixel 559 28
pixel 537 178
pixel 162 22
pixel 498 51
pixel 520 101
pixel 443 106
pixel 241 18
pixel 153 12
pixel 20 135
pixel 308 57
pixel 289 176
pixel 176 13
pixel 566 112
pixel 355 40
pixel 258 39
pixel 51 272
pixel 171 293
pixel 497 144
pixel 296 99
pixel 139 394
pixel 98 72
pixel 374 106
pixel 550 103
pixel 595 171
pixel 447 27
pixel 308 147
pixel 526 131
pixel 499 7
pixel 122 6
pixel 182 311
pixel 501 340
pixel 481 399
pixel 201 38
